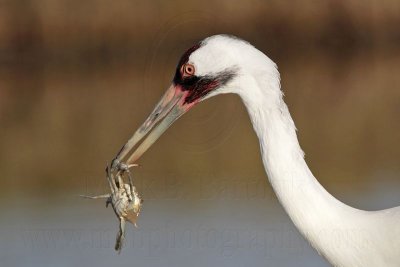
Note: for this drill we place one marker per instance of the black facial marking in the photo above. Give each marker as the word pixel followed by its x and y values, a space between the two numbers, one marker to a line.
pixel 199 87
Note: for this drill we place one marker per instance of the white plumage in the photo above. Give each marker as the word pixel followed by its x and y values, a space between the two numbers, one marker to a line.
pixel 345 236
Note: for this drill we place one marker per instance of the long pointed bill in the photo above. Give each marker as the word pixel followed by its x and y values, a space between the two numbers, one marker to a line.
pixel 168 110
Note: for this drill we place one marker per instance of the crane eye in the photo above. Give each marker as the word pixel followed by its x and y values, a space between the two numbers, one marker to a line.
pixel 187 70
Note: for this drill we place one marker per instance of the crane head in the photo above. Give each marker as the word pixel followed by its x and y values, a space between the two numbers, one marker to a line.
pixel 213 66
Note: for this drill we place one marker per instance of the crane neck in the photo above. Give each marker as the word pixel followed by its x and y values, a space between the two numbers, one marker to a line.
pixel 282 155
pixel 311 208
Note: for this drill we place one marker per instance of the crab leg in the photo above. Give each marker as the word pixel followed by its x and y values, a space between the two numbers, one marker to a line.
pixel 96 197
pixel 120 182
pixel 130 179
pixel 120 235
pixel 111 181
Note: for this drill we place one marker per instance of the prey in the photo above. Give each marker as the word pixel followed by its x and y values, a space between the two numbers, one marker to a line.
pixel 124 200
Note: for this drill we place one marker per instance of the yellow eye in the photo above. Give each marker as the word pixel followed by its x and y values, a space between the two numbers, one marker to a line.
pixel 187 70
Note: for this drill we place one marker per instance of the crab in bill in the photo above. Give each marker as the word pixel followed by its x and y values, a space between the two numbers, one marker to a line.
pixel 124 200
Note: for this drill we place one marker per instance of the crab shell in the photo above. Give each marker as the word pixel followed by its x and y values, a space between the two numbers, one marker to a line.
pixel 127 204
pixel 132 210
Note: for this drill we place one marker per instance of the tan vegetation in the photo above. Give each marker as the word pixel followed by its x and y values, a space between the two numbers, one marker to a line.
pixel 77 77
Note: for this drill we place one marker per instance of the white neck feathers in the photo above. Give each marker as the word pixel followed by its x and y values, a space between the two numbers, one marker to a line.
pixel 312 209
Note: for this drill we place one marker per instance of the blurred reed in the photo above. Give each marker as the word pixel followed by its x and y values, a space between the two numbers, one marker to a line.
pixel 77 78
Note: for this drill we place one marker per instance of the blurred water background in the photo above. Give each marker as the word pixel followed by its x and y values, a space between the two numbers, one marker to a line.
pixel 78 77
